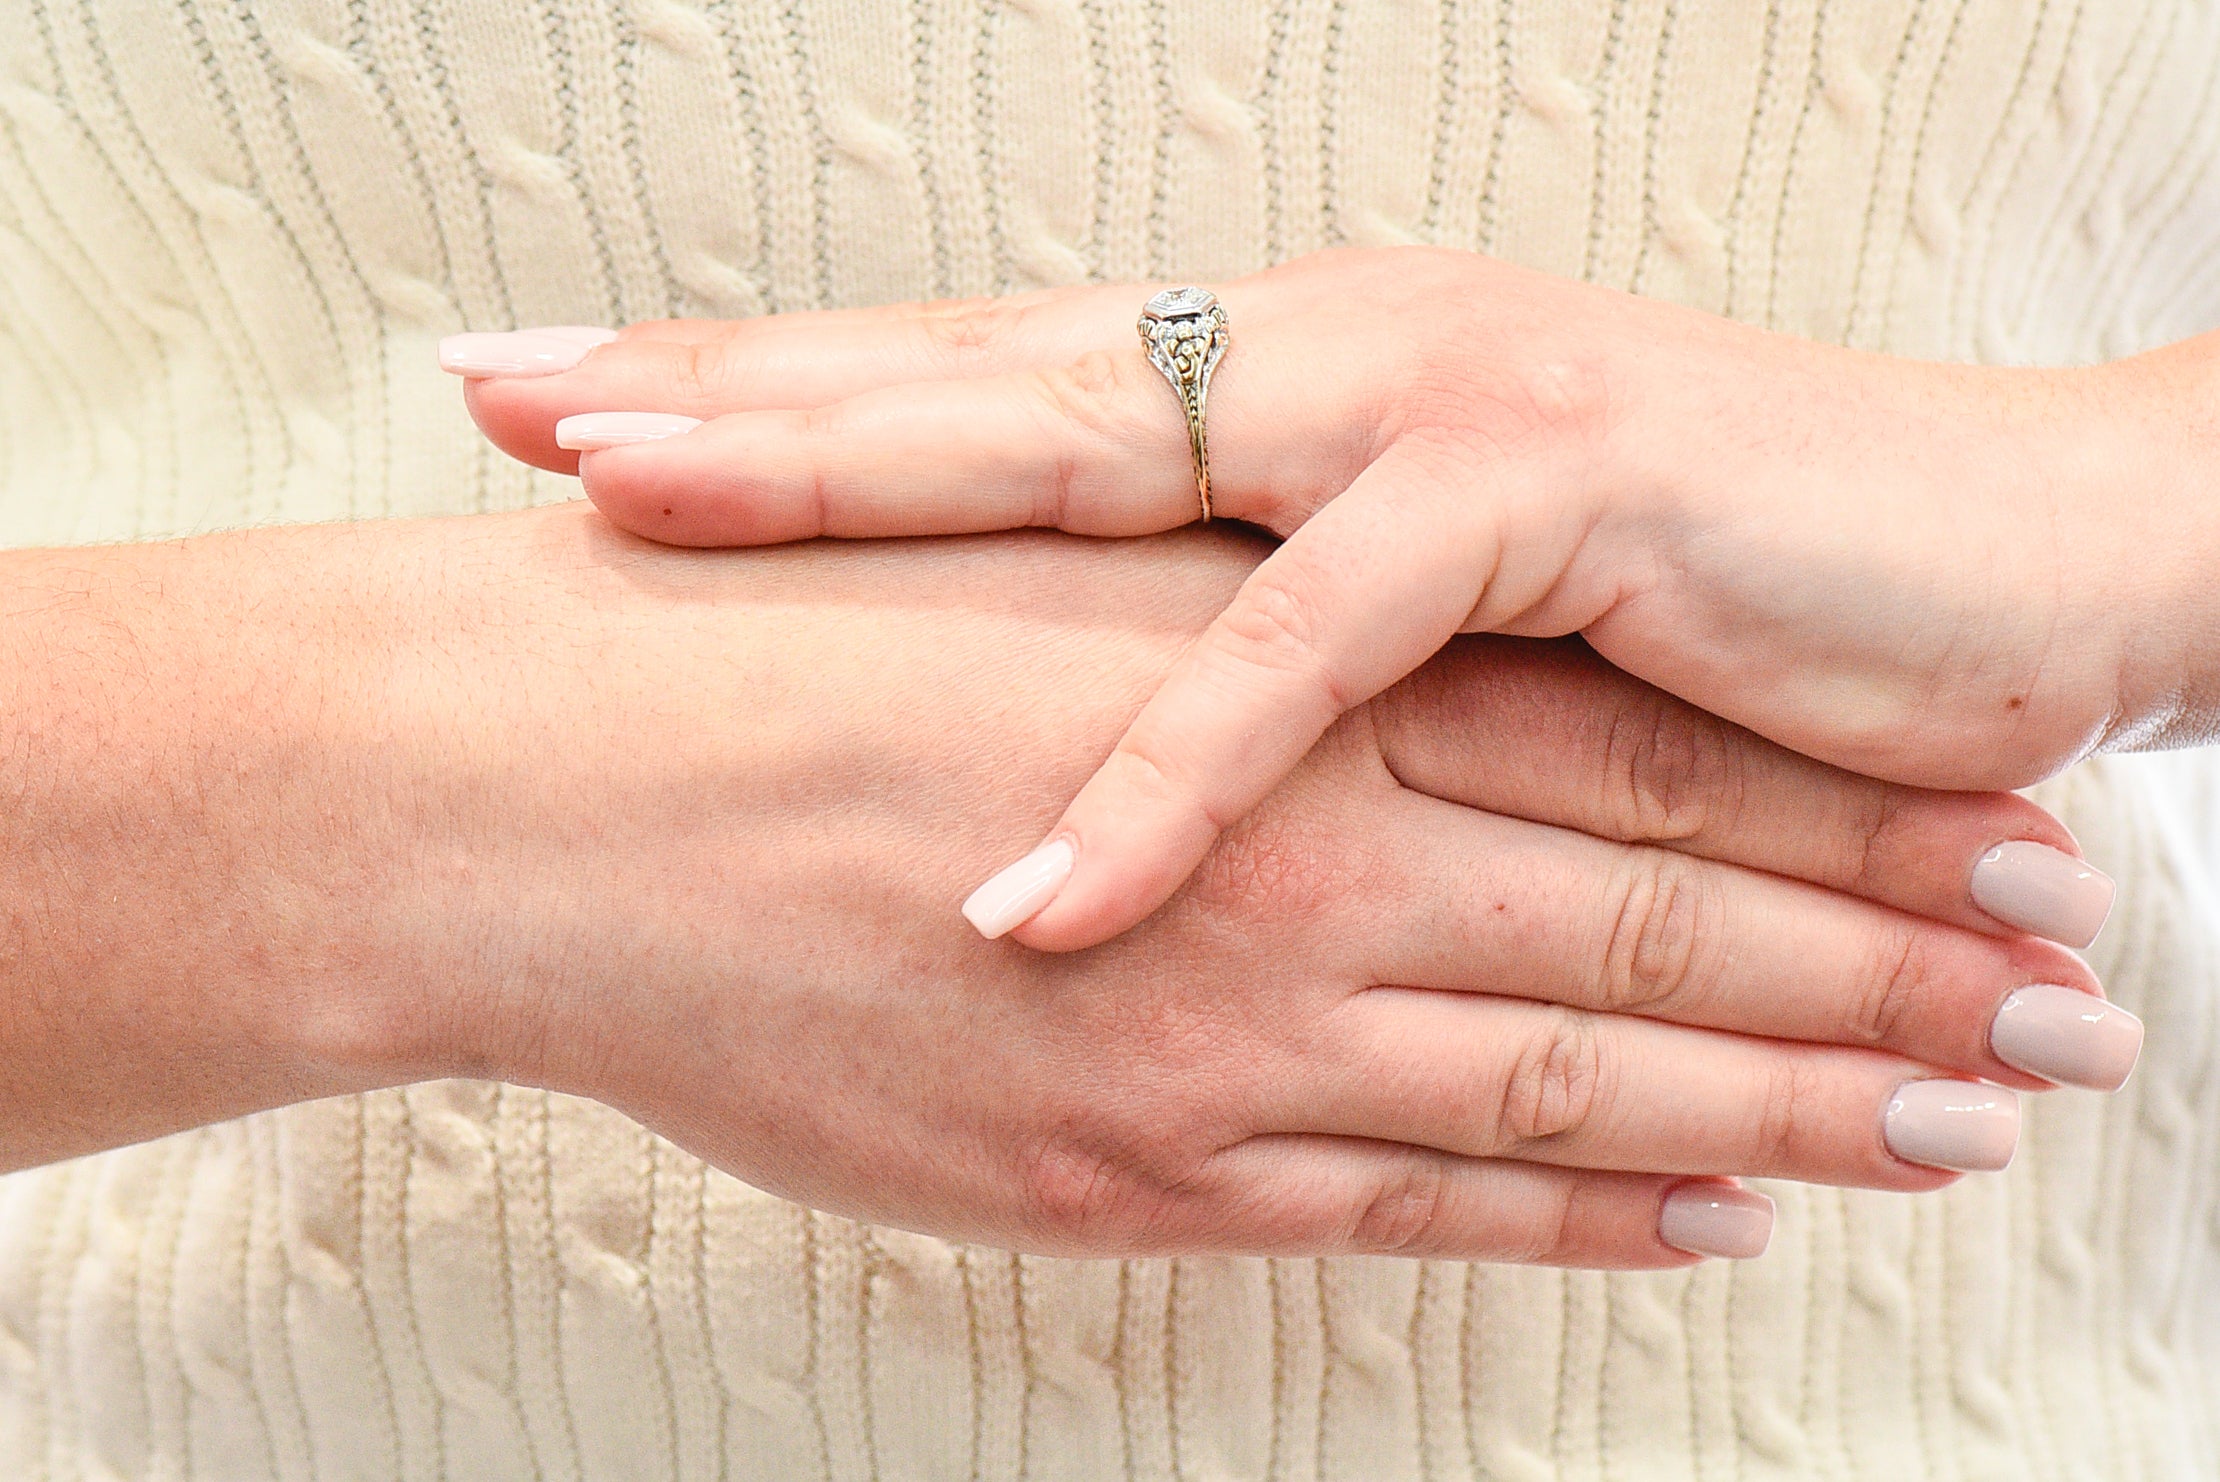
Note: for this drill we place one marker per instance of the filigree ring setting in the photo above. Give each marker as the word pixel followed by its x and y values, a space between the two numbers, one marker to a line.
pixel 1184 332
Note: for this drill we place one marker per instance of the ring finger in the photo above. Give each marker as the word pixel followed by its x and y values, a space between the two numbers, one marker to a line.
pixel 1096 446
pixel 1491 1077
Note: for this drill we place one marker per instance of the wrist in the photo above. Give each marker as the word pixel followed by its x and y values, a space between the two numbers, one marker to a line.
pixel 2158 509
pixel 1978 551
pixel 182 883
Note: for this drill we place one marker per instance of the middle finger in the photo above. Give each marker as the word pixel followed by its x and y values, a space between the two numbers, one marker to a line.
pixel 1505 907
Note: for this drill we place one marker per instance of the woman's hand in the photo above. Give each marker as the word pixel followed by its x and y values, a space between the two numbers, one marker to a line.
pixel 1512 954
pixel 1413 1003
pixel 1935 574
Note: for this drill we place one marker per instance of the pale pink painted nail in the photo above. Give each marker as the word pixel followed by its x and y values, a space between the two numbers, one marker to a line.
pixel 1708 1220
pixel 2068 1036
pixel 590 432
pixel 2043 890
pixel 520 353
pixel 1016 894
pixel 1963 1125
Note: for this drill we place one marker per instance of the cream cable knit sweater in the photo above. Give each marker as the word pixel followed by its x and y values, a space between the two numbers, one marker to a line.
pixel 230 231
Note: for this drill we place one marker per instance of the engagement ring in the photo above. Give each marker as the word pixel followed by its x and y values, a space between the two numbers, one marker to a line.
pixel 1185 333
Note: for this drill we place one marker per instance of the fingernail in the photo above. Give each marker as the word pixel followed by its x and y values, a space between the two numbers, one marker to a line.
pixel 1708 1220
pixel 2043 890
pixel 2068 1036
pixel 1017 894
pixel 589 432
pixel 1963 1125
pixel 519 353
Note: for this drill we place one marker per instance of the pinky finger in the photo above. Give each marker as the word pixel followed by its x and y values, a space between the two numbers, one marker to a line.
pixel 1292 1194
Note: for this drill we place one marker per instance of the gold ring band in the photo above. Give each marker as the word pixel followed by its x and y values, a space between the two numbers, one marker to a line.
pixel 1184 332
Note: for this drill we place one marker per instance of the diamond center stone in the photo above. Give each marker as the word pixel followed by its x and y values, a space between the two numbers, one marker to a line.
pixel 1180 303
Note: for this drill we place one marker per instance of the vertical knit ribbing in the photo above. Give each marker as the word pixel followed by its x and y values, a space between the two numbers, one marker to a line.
pixel 2173 177
pixel 1635 46
pixel 744 131
pixel 63 391
pixel 567 148
pixel 1800 114
pixel 1294 115
pixel 273 1373
pixel 675 1271
pixel 358 320
pixel 1506 100
pixel 388 1164
pixel 168 267
pixel 1129 77
pixel 1922 44
pixel 1995 182
pixel 2119 112
pixel 41 227
pixel 534 1279
pixel 56 1263
pixel 1652 225
pixel 1144 1368
pixel 1155 28
pixel 987 126
pixel 680 1386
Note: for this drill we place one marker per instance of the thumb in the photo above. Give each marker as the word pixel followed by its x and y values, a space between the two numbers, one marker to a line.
pixel 1369 588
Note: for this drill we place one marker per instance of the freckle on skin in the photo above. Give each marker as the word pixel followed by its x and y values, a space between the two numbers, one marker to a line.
pixel 666 511
pixel 2012 704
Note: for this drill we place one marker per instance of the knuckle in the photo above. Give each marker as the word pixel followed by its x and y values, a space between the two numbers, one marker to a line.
pixel 1524 403
pixel 1785 1105
pixel 1546 1227
pixel 1568 394
pixel 1090 394
pixel 1166 769
pixel 701 373
pixel 1554 1084
pixel 1077 1200
pixel 1674 771
pixel 968 333
pixel 1403 1212
pixel 1125 1161
pixel 1072 1198
pixel 1273 625
pixel 1663 923
pixel 1875 827
pixel 817 429
pixel 823 426
pixel 1556 1230
pixel 655 329
pixel 1899 971
pixel 1082 406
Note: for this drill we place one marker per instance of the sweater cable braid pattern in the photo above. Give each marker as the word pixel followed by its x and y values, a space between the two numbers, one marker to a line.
pixel 231 232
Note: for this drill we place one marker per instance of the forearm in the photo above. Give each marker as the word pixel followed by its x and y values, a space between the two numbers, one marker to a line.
pixel 293 812
pixel 186 877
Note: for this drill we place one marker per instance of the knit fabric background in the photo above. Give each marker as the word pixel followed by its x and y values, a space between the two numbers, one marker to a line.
pixel 230 233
